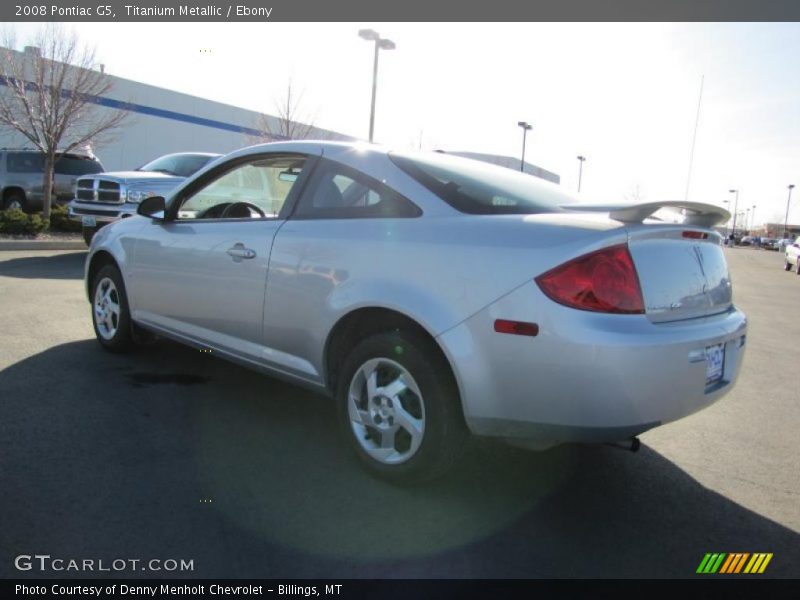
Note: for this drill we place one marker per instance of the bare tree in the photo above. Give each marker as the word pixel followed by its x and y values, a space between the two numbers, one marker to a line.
pixel 423 142
pixel 49 96
pixel 290 122
pixel 635 195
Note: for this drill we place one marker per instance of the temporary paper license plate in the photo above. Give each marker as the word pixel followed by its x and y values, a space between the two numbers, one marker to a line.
pixel 88 221
pixel 715 363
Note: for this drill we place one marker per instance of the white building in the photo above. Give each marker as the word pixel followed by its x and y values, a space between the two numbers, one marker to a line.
pixel 162 121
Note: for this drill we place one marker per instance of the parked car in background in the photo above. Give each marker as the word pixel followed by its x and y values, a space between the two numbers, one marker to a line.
pixel 769 243
pixel 746 241
pixel 783 242
pixel 791 253
pixel 103 198
pixel 22 177
pixel 431 296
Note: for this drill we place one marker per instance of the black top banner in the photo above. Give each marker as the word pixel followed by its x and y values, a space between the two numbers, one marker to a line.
pixel 406 10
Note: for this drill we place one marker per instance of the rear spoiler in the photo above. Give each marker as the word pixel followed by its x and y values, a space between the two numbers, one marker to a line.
pixel 695 213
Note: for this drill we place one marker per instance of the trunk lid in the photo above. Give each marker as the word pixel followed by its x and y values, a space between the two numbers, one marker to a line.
pixel 681 277
pixel 682 269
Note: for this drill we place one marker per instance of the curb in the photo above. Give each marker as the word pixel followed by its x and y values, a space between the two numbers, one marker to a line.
pixel 42 245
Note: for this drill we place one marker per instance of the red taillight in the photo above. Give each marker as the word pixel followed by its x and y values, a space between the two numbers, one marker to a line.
pixel 695 235
pixel 603 281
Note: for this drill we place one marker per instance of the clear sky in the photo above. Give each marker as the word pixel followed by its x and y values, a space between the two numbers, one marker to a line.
pixel 623 95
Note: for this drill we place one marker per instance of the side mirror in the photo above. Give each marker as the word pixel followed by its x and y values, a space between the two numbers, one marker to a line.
pixel 153 207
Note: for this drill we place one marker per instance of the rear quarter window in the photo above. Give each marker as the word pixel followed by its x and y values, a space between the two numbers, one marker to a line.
pixel 339 192
pixel 479 188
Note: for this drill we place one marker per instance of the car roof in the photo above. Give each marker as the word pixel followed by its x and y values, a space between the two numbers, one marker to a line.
pixel 60 153
pixel 212 154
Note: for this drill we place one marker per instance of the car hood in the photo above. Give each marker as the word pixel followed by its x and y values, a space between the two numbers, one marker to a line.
pixel 137 177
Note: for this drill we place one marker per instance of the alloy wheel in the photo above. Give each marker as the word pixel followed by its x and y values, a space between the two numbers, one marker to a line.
pixel 106 308
pixel 387 411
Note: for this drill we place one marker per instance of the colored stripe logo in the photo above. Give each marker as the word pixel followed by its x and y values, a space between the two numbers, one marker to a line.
pixel 734 563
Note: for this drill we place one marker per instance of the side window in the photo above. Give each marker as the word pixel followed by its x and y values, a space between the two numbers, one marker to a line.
pixel 253 190
pixel 339 192
pixel 25 162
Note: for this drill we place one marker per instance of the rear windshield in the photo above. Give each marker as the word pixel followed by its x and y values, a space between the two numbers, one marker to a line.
pixel 479 188
pixel 77 165
pixel 69 164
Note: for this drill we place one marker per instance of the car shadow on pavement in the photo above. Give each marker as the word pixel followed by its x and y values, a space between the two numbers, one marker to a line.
pixel 56 266
pixel 172 453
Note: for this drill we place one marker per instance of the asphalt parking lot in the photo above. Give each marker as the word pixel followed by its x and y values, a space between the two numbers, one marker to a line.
pixel 170 453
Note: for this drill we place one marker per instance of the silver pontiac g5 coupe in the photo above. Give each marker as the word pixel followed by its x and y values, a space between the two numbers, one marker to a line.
pixel 431 296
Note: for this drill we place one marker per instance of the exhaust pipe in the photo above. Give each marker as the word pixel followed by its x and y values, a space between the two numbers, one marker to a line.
pixel 633 444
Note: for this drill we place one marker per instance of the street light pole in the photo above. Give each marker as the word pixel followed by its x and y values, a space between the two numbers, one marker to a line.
pixel 380 44
pixel 746 219
pixel 735 209
pixel 786 218
pixel 581 159
pixel 753 218
pixel 525 128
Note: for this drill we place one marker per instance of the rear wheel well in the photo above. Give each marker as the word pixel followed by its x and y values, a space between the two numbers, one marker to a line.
pixel 99 260
pixel 363 323
pixel 11 191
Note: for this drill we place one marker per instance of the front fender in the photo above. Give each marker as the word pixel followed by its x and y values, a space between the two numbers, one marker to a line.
pixel 116 241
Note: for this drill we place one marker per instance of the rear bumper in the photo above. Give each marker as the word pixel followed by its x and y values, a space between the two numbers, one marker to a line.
pixel 586 376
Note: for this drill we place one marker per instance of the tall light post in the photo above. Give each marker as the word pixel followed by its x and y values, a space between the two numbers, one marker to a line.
pixel 525 128
pixel 746 219
pixel 581 160
pixel 753 218
pixel 735 209
pixel 786 218
pixel 380 44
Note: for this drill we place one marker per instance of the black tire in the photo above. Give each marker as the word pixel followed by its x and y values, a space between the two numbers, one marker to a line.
pixel 444 432
pixel 121 338
pixel 15 200
pixel 787 266
pixel 88 234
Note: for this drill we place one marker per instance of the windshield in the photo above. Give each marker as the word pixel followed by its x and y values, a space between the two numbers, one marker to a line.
pixel 479 188
pixel 180 165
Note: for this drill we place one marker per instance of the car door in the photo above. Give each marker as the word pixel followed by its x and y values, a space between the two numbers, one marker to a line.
pixel 200 275
pixel 342 228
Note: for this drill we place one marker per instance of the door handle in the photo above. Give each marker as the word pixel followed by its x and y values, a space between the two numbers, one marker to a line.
pixel 238 252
